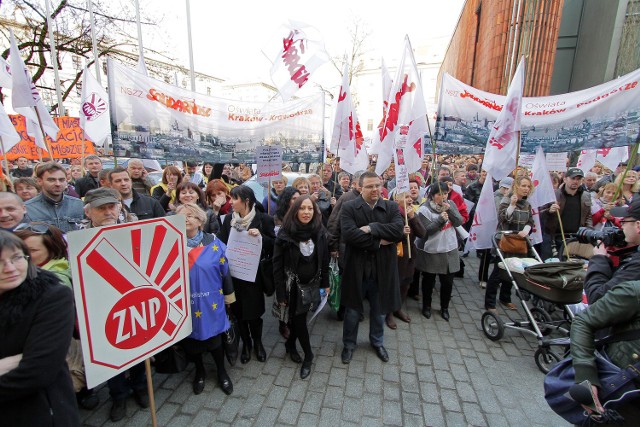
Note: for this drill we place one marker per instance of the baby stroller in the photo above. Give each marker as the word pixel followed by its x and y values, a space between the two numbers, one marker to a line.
pixel 557 283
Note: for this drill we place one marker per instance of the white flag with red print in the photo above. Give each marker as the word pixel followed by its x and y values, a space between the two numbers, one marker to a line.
pixel 586 160
pixel 609 157
pixel 542 192
pixel 8 133
pixel 301 52
pixel 485 220
pixel 94 109
pixel 406 107
pixel 5 74
pixel 26 99
pixel 502 145
pixel 347 140
pixel 387 84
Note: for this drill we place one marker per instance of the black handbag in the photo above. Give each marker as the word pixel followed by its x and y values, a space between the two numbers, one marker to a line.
pixel 308 294
pixel 266 273
pixel 171 360
pixel 230 341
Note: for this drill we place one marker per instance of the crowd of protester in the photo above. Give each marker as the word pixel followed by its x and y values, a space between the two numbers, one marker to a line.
pixel 360 219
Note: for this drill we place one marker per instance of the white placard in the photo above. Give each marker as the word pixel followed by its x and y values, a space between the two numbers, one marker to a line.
pixel 243 253
pixel 556 162
pixel 269 159
pixel 131 287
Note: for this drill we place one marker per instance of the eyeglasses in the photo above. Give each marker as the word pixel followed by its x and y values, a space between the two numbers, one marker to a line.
pixel 36 228
pixel 629 220
pixel 14 260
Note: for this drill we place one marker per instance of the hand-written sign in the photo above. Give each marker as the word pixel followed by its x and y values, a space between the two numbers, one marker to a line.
pixel 68 144
pixel 269 162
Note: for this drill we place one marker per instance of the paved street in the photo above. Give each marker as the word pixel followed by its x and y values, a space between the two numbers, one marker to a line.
pixel 439 374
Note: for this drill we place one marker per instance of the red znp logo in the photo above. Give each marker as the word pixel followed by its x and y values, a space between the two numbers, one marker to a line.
pixel 94 107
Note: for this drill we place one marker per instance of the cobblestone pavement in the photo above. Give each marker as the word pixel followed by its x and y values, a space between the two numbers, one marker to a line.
pixel 439 374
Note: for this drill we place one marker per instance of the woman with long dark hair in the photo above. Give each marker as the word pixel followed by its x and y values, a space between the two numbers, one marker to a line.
pixel 301 255
pixel 248 216
pixel 36 325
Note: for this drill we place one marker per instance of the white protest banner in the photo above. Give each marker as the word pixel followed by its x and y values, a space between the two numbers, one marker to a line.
pixel 131 286
pixel 243 253
pixel 604 116
pixel 269 159
pixel 402 174
pixel 187 124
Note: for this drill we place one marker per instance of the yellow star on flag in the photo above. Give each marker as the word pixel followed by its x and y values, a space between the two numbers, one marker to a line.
pixel 215 306
pixel 215 248
pixel 222 260
pixel 221 293
pixel 198 314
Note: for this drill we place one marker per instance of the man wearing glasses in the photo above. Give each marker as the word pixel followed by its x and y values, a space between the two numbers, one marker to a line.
pixel 602 275
pixel 370 228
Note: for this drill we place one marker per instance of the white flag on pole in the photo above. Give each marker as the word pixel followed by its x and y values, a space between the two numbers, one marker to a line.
pixel 5 74
pixel 387 84
pixel 8 133
pixel 542 192
pixel 94 109
pixel 347 140
pixel 502 145
pixel 406 107
pixel 25 99
pixel 485 220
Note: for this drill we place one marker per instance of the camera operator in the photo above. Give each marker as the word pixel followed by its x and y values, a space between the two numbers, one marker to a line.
pixel 602 275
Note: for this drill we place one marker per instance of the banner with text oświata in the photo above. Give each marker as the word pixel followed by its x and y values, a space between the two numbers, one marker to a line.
pixel 154 119
pixel 604 116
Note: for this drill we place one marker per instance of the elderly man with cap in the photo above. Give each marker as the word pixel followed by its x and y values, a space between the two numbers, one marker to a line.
pixel 602 274
pixel 102 207
pixel 574 204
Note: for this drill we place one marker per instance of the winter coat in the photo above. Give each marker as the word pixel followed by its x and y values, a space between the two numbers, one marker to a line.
pixel 363 248
pixel 66 214
pixel 86 183
pixel 59 267
pixel 286 256
pixel 521 216
pixel 438 233
pixel 603 276
pixel 619 308
pixel 406 264
pixel 36 320
pixel 550 220
pixel 145 207
pixel 249 295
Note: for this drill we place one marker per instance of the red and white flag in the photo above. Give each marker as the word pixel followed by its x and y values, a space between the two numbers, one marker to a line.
pixel 405 107
pixel 485 220
pixel 502 145
pixel 5 74
pixel 609 157
pixel 542 192
pixel 26 99
pixel 301 52
pixel 94 109
pixel 7 132
pixel 347 140
pixel 387 84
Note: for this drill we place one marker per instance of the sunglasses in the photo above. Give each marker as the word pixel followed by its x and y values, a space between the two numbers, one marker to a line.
pixel 35 228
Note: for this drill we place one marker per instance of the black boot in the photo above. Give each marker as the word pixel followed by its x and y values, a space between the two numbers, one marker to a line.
pixel 245 356
pixel 255 327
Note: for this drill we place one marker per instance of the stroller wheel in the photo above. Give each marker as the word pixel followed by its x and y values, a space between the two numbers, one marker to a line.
pixel 492 326
pixel 545 359
pixel 542 318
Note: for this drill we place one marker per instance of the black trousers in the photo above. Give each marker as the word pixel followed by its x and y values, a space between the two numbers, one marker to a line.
pixel 446 288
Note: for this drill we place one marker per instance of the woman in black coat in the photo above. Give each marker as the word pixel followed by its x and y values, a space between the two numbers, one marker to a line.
pixel 301 255
pixel 248 215
pixel 36 324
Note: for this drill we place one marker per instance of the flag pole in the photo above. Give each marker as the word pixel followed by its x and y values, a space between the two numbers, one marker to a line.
pixel 631 161
pixel 406 222
pixel 5 163
pixel 152 400
pixel 54 62
pixel 94 44
pixel 44 135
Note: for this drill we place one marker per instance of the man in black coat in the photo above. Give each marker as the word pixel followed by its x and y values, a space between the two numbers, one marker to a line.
pixel 143 206
pixel 370 227
pixel 602 276
pixel 93 166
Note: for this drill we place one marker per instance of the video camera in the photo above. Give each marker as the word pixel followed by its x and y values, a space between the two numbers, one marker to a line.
pixel 609 236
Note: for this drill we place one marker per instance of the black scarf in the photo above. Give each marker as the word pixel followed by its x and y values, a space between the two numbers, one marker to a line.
pixel 303 232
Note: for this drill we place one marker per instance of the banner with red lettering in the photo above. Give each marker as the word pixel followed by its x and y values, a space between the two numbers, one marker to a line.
pixel 68 145
pixel 154 119
pixel 604 116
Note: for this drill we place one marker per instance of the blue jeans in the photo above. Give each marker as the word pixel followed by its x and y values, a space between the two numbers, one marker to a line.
pixel 120 386
pixel 376 320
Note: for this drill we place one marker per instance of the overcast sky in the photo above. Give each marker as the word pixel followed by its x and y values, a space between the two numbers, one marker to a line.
pixel 228 35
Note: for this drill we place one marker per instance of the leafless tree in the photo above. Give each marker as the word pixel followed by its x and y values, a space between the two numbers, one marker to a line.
pixel 114 22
